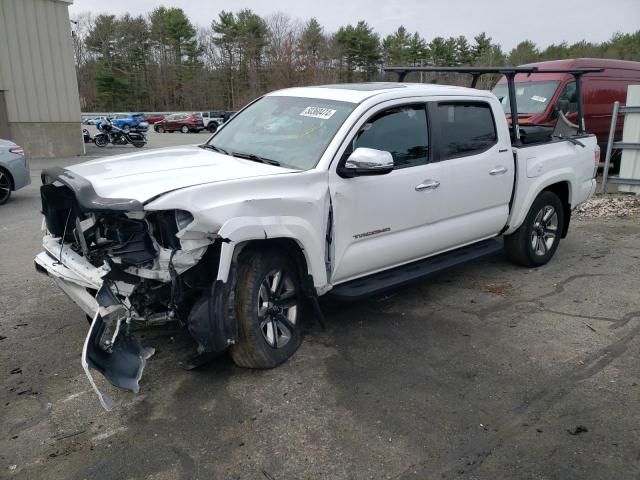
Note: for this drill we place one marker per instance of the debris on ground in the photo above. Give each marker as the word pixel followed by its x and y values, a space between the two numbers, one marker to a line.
pixel 578 430
pixel 610 206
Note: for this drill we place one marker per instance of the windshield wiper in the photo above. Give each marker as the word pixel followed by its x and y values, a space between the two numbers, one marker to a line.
pixel 209 146
pixel 255 158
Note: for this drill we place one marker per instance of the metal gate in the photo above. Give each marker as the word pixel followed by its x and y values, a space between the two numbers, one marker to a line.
pixel 617 109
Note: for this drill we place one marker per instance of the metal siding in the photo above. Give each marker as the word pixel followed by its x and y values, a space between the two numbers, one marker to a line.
pixel 36 61
pixel 12 61
pixel 45 64
pixel 56 74
pixel 31 63
pixel 70 79
pixel 5 79
pixel 26 53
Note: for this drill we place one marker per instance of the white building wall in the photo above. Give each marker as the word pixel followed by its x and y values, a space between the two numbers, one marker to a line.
pixel 37 71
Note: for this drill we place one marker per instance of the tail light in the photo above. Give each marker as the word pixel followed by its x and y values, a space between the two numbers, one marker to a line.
pixel 596 160
pixel 17 150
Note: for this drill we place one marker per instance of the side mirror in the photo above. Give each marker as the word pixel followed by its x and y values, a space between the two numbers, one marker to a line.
pixel 562 106
pixel 366 161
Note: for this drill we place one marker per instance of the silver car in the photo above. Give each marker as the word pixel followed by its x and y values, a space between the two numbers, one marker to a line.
pixel 14 169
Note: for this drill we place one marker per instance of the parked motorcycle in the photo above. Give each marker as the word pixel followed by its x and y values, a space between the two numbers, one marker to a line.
pixel 109 133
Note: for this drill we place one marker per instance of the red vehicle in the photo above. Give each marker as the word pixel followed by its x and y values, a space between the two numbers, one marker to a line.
pixel 152 118
pixel 183 122
pixel 540 96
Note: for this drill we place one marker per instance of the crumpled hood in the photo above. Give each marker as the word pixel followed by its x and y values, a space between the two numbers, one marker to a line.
pixel 144 175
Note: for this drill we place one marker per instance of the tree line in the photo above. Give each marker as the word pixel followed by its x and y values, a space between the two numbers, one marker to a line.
pixel 163 62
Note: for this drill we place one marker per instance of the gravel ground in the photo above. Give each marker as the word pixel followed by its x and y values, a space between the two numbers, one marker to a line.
pixel 486 371
pixel 610 206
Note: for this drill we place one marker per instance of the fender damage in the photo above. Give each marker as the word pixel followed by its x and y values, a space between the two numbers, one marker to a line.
pixel 124 267
pixel 170 257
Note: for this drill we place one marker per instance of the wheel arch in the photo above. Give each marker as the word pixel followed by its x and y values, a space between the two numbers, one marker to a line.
pixel 291 248
pixel 563 191
pixel 6 171
pixel 560 184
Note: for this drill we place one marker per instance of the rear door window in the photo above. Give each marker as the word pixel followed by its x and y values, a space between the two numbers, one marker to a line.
pixel 464 128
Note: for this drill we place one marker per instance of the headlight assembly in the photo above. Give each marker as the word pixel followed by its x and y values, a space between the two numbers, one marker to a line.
pixel 183 218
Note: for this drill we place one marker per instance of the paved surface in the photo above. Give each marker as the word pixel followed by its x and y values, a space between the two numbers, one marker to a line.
pixel 487 371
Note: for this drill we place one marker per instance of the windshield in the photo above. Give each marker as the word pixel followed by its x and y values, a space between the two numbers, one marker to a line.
pixel 293 131
pixel 531 97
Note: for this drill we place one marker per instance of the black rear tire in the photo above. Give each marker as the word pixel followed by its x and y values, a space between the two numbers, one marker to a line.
pixel 212 127
pixel 159 129
pixel 537 239
pixel 268 310
pixel 6 185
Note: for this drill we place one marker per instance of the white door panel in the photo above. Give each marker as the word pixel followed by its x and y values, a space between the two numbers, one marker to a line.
pixel 421 210
pixel 476 184
pixel 380 219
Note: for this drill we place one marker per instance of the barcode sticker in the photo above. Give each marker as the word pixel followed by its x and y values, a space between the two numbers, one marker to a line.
pixel 318 112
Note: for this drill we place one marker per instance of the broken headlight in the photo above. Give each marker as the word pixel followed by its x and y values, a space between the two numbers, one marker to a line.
pixel 166 224
pixel 183 218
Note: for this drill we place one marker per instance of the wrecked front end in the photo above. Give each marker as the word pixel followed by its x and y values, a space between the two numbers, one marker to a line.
pixel 123 265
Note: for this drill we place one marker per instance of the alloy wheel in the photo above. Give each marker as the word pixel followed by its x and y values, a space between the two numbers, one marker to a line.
pixel 277 308
pixel 5 187
pixel 545 230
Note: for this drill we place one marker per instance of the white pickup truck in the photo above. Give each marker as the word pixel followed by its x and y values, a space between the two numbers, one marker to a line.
pixel 344 190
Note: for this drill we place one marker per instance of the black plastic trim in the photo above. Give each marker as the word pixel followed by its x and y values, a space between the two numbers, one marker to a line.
pixel 554 140
pixel 86 195
pixel 395 277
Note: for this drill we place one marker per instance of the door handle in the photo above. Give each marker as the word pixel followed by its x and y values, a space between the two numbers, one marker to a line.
pixel 499 170
pixel 428 185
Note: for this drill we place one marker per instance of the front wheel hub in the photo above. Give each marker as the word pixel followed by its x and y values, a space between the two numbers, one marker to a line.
pixel 277 308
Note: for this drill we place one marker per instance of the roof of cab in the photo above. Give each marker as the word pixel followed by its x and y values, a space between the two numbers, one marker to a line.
pixel 358 92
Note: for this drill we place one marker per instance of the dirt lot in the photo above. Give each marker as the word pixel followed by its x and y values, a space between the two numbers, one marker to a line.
pixel 487 371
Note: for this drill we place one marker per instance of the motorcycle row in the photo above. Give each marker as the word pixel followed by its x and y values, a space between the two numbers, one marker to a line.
pixel 109 133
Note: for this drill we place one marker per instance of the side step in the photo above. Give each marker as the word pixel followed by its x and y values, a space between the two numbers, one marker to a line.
pixel 395 277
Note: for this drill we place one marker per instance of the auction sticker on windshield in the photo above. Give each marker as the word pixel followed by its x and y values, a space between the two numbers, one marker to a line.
pixel 318 112
pixel 538 98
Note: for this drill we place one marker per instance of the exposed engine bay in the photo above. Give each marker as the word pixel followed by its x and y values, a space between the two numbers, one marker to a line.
pixel 124 267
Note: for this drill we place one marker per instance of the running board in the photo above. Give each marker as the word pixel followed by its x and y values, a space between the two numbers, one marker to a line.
pixel 395 277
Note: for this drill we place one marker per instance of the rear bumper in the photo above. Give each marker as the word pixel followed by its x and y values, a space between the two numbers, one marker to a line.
pixel 586 191
pixel 20 172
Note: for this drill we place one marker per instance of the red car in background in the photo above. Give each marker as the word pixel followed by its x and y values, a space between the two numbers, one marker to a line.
pixel 183 122
pixel 153 118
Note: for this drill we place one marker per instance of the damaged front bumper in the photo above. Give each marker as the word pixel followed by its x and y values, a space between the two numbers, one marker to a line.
pixel 121 264
pixel 108 348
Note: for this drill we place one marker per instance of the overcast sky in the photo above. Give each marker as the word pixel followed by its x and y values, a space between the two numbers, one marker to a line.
pixel 507 22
